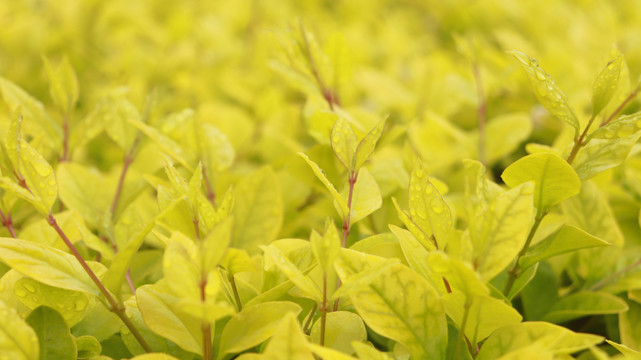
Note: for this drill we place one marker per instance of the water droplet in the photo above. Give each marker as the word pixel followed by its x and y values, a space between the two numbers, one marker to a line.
pixel 29 287
pixel 19 291
pixel 42 168
pixel 625 131
pixel 540 74
pixel 419 172
pixel 437 207
pixel 413 213
pixel 52 182
pixel 609 134
pixel 429 190
pixel 534 62
pixel 422 214
pixel 416 186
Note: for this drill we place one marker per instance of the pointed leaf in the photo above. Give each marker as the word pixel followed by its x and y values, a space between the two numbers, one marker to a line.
pixel 583 304
pixel 554 178
pixel 303 282
pixel 179 153
pixel 326 353
pixel 253 325
pixel 215 244
pixel 63 84
pixel 548 93
pixel 622 127
pixel 368 352
pixel 341 329
pixel 626 351
pixel 344 143
pixel 181 267
pixel 603 154
pixel 458 273
pixel 18 340
pixel 368 143
pixel 606 84
pixel 326 248
pixel 342 204
pixel 428 242
pixel 289 342
pixel 258 210
pixel 630 325
pixel 39 175
pixel 366 197
pixel 414 252
pixel 86 191
pixel 56 341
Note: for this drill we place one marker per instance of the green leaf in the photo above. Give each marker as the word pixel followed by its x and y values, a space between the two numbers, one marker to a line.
pixel 630 325
pixel 554 178
pixel 459 274
pixel 288 342
pixel 626 351
pixel 215 244
pixel 326 353
pixel 504 134
pixel 216 151
pixel 621 127
pixel 417 321
pixel 13 188
pixel 88 347
pixel 541 293
pixel 56 342
pixel 158 309
pixel 39 176
pixel 86 191
pixel 523 280
pixel 12 140
pixel 504 226
pixel 426 241
pixel 371 269
pixel 368 352
pixel 37 121
pixel 342 203
pixel 181 262
pixel 603 154
pixel 546 90
pixel 368 143
pixel 428 210
pixel 606 84
pixel 72 305
pixel 179 153
pixel 17 340
pixel 303 282
pixel 553 338
pixel 583 304
pixel 415 254
pixel 48 265
pixel 366 197
pixel 258 210
pixel 63 84
pixel 341 329
pixel 154 356
pixel 486 314
pixel 326 248
pixel 569 238
pixel 344 143
pixel 253 325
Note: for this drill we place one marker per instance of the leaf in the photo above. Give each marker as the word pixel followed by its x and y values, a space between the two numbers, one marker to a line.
pixel 216 151
pixel 548 93
pixel 326 248
pixel 18 340
pixel 366 197
pixel 504 228
pixel 486 314
pixel 344 143
pixel 504 134
pixel 12 140
pixel 72 305
pixel 253 325
pixel 428 210
pixel 181 262
pixel 368 352
pixel 154 356
pixel 583 304
pixel 554 178
pixel 326 353
pixel 630 326
pixel 415 254
pixel 372 268
pixel 458 273
pixel 606 84
pixel 48 265
pixel 86 191
pixel 288 342
pixel 215 244
pixel 569 238
pixel 37 121
pixel 367 144
pixel 56 342
pixel 426 241
pixel 626 351
pixel 88 347
pixel 341 329
pixel 621 127
pixel 603 154
pixel 179 153
pixel 303 282
pixel 258 210
pixel 39 176
pixel 417 321
pixel 63 84
pixel 342 204
pixel 523 280
pixel 553 338
pixel 13 188
pixel 158 309
pixel 541 293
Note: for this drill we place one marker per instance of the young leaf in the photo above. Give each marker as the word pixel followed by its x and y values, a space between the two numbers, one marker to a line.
pixel 622 127
pixel 258 210
pixel 583 304
pixel 625 350
pixel 39 176
pixel 63 84
pixel 88 347
pixel 459 274
pixel 426 241
pixel 342 203
pixel 341 329
pixel 428 210
pixel 326 248
pixel 554 178
pixel 289 342
pixel 629 327
pixel 344 143
pixel 254 325
pixel 368 143
pixel 54 337
pixel 366 197
pixel 48 265
pixel 303 282
pixel 415 253
pixel 215 244
pixel 603 154
pixel 606 84
pixel 179 153
pixel 548 93
pixel 86 191
pixel 19 341
pixel 568 239
pixel 181 267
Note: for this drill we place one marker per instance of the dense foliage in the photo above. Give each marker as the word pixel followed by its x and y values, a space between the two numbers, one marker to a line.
pixel 341 179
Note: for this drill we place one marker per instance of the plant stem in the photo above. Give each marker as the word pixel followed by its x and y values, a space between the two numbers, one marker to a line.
pixel 239 304
pixel 578 143
pixel 115 306
pixel 621 106
pixel 308 322
pixel 211 195
pixel 328 94
pixel 323 311
pixel 481 111
pixel 65 138
pixel 605 281
pixel 8 223
pixel 347 221
pixel 127 160
pixel 461 332
pixel 205 325
pixel 514 271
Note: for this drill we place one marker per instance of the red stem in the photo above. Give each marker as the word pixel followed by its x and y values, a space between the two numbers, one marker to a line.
pixel 8 223
pixel 211 195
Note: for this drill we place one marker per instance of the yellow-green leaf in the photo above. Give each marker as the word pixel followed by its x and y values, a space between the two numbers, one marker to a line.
pixel 426 241
pixel 289 342
pixel 153 356
pixel 344 143
pixel 622 127
pixel 341 329
pixel 54 337
pixel 63 84
pixel 459 274
pixel 48 265
pixel 554 178
pixel 179 153
pixel 303 282
pixel 368 143
pixel 258 210
pixel 583 304
pixel 181 262
pixel 366 197
pixel 546 90
pixel 18 340
pixel 414 252
pixel 86 191
pixel 39 176
pixel 326 248
pixel 215 244
pixel 327 353
pixel 342 203
pixel 606 84
pixel 625 350
pixel 254 325
pixel 369 352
